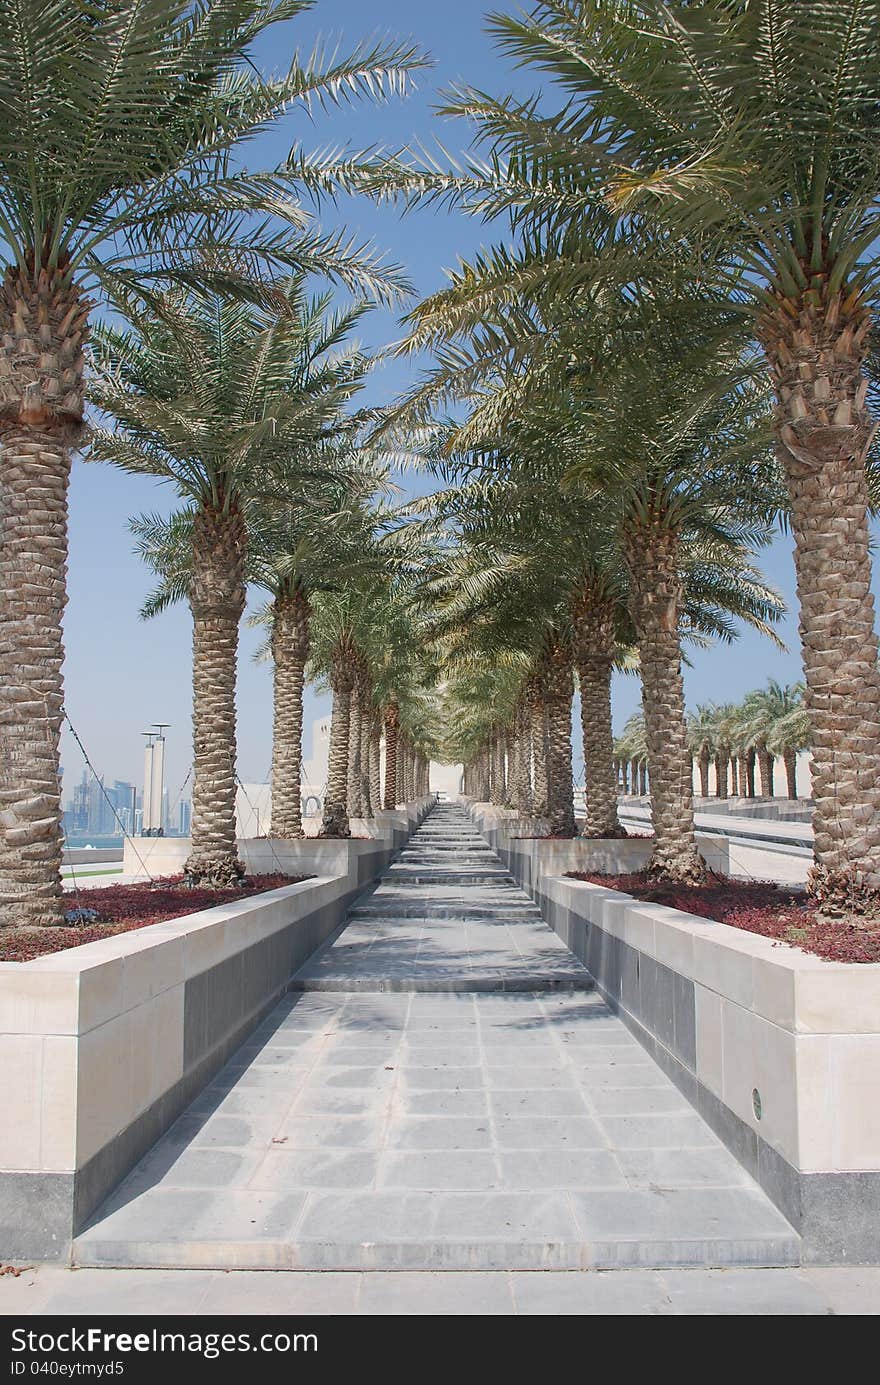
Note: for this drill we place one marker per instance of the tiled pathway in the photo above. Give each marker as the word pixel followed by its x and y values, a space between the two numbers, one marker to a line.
pixel 444 1091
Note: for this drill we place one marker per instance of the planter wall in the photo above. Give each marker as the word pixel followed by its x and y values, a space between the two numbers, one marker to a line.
pixel 778 1050
pixel 102 1046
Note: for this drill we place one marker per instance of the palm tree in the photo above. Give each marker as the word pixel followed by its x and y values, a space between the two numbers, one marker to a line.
pixel 771 718
pixel 218 397
pixel 701 729
pixel 309 542
pixel 117 175
pixel 748 130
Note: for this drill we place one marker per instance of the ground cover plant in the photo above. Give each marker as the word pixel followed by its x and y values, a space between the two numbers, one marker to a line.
pixel 122 908
pixel 756 906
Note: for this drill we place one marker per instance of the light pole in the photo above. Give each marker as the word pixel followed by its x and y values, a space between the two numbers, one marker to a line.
pixel 158 778
pixel 146 820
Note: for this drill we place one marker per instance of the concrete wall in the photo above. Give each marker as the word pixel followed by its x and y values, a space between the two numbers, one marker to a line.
pixel 777 1049
pixel 103 1046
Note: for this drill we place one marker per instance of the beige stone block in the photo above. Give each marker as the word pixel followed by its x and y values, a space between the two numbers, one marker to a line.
pixel 168 1050
pixel 100 992
pixel 151 965
pixel 205 945
pixel 674 940
pixel 815 1103
pixel 21 1072
pixel 59 1095
pixel 37 1002
pixel 773 993
pixel 640 928
pixel 612 915
pixel 723 966
pixel 838 998
pixel 855 1081
pixel 105 1086
pixel 710 1068
pixel 758 1055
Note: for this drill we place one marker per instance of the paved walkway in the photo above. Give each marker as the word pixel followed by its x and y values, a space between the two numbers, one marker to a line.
pixel 187 1293
pixel 444 1090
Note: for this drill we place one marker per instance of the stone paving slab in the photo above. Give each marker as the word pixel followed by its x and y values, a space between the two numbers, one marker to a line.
pixel 427 1132
pixel 52 1289
pixel 442 1089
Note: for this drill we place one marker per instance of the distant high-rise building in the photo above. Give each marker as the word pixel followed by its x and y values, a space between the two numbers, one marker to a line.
pixel 184 817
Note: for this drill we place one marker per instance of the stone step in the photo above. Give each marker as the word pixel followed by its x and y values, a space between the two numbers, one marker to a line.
pixel 384 911
pixel 539 1229
pixel 456 979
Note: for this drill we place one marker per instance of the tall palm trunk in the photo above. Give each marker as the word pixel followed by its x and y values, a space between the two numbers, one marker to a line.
pixel 366 730
pixel 42 330
pixel 594 651
pixel 559 691
pixel 376 761
pixel 216 598
pixel 496 780
pixel 652 553
pixel 704 760
pixel 816 347
pixel 634 777
pixel 290 650
pixel 522 782
pixel 766 761
pixel 538 722
pixel 335 817
pixel 734 775
pixel 392 725
pixel 643 779
pixel 789 759
pixel 722 765
pixel 354 794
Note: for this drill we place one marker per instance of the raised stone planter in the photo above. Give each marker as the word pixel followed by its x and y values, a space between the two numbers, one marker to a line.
pixel 778 1050
pixel 102 1046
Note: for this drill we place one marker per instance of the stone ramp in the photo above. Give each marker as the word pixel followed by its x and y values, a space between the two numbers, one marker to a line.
pixel 429 1129
pixel 462 925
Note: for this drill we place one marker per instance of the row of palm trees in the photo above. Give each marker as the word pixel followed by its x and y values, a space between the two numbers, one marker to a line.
pixel 665 356
pixel 138 238
pixel 672 340
pixel 737 738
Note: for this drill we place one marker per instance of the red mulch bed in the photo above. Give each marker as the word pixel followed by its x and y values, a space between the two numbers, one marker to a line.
pixel 123 908
pixel 756 907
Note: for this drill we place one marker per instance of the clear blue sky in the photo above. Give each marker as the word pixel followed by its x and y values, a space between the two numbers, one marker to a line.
pixel 121 673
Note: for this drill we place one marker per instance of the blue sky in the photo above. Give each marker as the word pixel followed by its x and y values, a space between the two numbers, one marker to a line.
pixel 121 673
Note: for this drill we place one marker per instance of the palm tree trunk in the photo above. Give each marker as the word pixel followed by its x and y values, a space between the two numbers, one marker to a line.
pixel 335 821
pixel 33 567
pixel 376 761
pixel 704 761
pixel 353 788
pixel 366 730
pixel 824 427
pixel 43 325
pixel 290 650
pixel 734 775
pixel 593 621
pixel 559 691
pixel 766 762
pixel 392 724
pixel 624 777
pixel 216 598
pixel 522 784
pixel 496 770
pixel 722 765
pixel 643 779
pixel 789 759
pixel 538 719
pixel 652 553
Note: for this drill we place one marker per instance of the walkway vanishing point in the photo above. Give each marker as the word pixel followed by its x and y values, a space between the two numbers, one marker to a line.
pixel 442 1088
